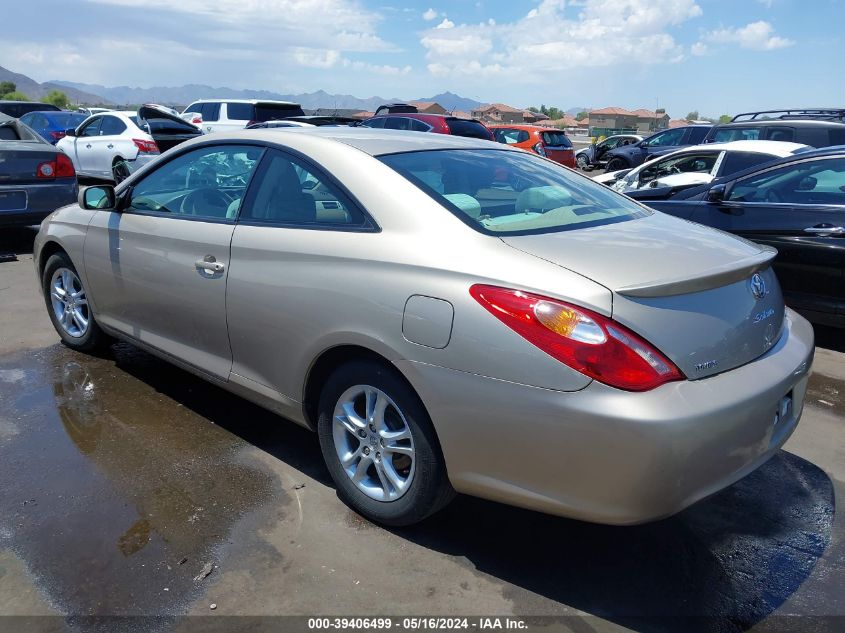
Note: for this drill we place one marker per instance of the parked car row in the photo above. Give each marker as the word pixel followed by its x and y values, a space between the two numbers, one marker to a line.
pixel 777 192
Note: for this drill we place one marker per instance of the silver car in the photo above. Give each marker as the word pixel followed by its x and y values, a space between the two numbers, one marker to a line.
pixel 448 314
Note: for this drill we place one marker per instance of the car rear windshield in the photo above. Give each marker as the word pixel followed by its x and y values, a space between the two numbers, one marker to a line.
pixel 556 139
pixel 501 192
pixel 468 127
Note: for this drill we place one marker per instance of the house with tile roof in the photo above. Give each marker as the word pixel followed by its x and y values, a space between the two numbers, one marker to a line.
pixel 641 120
pixel 498 113
pixel 429 107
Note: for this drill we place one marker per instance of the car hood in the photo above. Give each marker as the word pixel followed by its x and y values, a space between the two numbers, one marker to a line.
pixel 610 176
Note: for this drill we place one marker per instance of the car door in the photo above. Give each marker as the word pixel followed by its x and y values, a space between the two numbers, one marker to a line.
pixel 294 230
pixel 663 143
pixel 83 146
pixel 111 144
pixel 800 210
pixel 157 268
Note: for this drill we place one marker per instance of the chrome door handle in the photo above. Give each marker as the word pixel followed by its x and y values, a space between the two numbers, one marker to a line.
pixel 836 230
pixel 210 263
pixel 110 146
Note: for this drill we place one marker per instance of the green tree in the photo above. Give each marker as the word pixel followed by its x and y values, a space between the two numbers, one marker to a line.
pixel 693 116
pixel 15 96
pixel 725 118
pixel 57 98
pixel 582 115
pixel 533 109
pixel 6 87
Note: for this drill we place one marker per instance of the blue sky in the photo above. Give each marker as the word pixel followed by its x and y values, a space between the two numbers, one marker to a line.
pixel 716 56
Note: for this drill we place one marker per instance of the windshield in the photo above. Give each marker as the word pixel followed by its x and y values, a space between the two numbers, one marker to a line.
pixel 512 193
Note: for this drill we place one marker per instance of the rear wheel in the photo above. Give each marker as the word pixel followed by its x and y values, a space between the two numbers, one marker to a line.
pixel 119 170
pixel 68 307
pixel 380 446
pixel 615 164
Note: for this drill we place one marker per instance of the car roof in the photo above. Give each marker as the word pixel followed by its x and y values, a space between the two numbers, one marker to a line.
pixel 525 126
pixel 420 115
pixel 372 141
pixel 781 123
pixel 252 101
pixel 775 148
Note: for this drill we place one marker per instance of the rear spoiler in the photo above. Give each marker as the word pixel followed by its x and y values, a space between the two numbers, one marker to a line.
pixel 716 277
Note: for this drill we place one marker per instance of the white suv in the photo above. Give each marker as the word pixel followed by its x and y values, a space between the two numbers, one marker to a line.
pixel 216 115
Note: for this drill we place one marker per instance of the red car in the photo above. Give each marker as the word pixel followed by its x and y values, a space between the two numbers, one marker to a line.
pixel 545 141
pixel 437 123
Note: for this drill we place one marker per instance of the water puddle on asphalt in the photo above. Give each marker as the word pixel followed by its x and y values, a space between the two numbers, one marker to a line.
pixel 117 487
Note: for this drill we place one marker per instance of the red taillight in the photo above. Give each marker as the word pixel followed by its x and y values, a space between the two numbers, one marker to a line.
pixel 62 167
pixel 57 135
pixel 196 120
pixel 585 341
pixel 145 147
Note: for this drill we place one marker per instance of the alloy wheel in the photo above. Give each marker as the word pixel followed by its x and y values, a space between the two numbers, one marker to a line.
pixel 373 443
pixel 70 305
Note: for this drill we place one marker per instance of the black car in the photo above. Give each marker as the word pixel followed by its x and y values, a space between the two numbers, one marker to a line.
pixel 796 205
pixel 594 156
pixel 816 127
pixel 657 144
pixel 16 109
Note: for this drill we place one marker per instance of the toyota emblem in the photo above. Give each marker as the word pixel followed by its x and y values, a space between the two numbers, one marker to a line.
pixel 758 286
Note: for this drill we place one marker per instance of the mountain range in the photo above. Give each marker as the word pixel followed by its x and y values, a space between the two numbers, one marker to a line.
pixel 95 94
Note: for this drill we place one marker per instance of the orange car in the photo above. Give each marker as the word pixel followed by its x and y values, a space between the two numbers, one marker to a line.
pixel 545 141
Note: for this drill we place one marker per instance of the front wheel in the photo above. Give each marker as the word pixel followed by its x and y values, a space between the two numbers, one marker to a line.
pixel 616 164
pixel 68 307
pixel 582 162
pixel 380 446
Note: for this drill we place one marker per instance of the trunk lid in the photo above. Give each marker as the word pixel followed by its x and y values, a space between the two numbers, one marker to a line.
pixel 20 160
pixel 166 126
pixel 708 300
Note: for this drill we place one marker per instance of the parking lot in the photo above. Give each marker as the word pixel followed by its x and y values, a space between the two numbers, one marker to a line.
pixel 133 488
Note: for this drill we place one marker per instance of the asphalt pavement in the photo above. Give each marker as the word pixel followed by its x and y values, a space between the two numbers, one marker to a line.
pixel 131 488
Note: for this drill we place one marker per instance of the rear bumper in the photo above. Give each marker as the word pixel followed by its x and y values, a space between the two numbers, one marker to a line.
pixel 610 456
pixel 41 200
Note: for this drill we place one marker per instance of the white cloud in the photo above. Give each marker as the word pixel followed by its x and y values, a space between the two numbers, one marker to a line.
pixel 699 48
pixel 756 36
pixel 445 24
pixel 429 15
pixel 557 35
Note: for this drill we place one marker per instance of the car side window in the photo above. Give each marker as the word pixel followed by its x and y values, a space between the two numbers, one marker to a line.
pixel 697 134
pixel 419 126
pixel 687 163
pixel 92 128
pixel 397 123
pixel 509 136
pixel 287 191
pixel 210 112
pixel 785 134
pixel 207 183
pixel 667 138
pixel 112 126
pixel 239 111
pixel 813 182
pixel 377 122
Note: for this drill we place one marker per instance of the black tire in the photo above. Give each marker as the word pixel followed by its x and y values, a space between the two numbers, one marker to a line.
pixel 119 170
pixel 93 339
pixel 582 162
pixel 615 164
pixel 429 489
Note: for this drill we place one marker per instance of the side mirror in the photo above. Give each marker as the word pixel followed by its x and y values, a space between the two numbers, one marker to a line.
pixel 71 131
pixel 100 197
pixel 716 194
